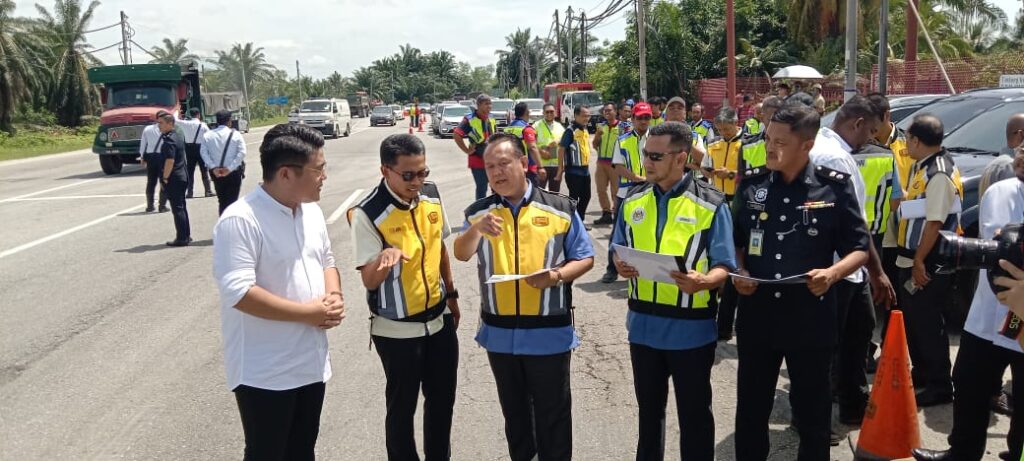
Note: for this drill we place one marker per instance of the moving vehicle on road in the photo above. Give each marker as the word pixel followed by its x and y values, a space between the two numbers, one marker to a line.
pixel 359 102
pixel 536 106
pixel 332 117
pixel 382 115
pixel 500 110
pixel 232 101
pixel 566 96
pixel 131 96
pixel 451 118
pixel 397 110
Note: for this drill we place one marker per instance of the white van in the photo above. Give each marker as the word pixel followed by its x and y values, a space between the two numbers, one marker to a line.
pixel 331 116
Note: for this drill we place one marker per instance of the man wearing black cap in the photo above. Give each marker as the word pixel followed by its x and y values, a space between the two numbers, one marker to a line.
pixel 194 130
pixel 223 152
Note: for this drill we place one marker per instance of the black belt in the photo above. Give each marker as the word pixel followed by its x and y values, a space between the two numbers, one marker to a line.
pixel 526 321
pixel 676 312
pixel 431 313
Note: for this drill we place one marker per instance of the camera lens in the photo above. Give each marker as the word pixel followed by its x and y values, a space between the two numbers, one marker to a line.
pixel 968 253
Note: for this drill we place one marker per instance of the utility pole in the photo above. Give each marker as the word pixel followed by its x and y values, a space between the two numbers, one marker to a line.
pixel 583 46
pixel 125 50
pixel 730 44
pixel 298 77
pixel 883 49
pixel 568 35
pixel 851 50
pixel 558 47
pixel 910 54
pixel 641 31
pixel 245 93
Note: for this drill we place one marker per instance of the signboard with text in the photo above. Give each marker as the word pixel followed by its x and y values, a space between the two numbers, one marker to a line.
pixel 1011 81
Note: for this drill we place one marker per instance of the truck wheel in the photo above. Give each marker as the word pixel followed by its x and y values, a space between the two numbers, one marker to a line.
pixel 111 164
pixel 334 132
pixel 348 130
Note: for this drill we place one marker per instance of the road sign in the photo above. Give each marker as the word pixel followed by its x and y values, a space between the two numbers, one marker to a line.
pixel 1011 81
pixel 277 100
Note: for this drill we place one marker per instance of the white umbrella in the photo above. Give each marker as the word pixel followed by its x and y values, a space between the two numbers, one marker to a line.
pixel 799 72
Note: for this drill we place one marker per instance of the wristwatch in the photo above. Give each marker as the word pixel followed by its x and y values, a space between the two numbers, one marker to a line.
pixel 453 294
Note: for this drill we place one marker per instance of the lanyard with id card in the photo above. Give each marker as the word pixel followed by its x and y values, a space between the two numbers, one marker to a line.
pixel 756 244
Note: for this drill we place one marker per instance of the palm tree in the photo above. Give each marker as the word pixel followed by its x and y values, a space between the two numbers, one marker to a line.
pixel 175 52
pixel 70 95
pixel 244 65
pixel 811 21
pixel 19 65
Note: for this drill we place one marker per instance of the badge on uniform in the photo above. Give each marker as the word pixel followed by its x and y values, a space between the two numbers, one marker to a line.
pixel 756 242
pixel 761 195
pixel 755 206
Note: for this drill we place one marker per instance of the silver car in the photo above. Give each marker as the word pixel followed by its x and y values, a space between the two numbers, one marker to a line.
pixel 451 117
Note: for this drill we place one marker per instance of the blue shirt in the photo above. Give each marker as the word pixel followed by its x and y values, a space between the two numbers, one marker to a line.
pixel 568 141
pixel 670 333
pixel 539 341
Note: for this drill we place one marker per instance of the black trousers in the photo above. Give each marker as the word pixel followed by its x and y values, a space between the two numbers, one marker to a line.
pixel 977 376
pixel 926 330
pixel 228 189
pixel 690 371
pixel 579 190
pixel 176 195
pixel 193 159
pixel 611 236
pixel 552 183
pixel 154 172
pixel 480 181
pixel 729 299
pixel 537 404
pixel 430 362
pixel 758 374
pixel 280 425
pixel 855 319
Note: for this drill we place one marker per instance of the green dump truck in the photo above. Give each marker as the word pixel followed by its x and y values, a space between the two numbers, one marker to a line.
pixel 132 95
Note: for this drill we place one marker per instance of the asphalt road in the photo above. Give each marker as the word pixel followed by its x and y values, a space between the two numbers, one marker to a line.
pixel 110 342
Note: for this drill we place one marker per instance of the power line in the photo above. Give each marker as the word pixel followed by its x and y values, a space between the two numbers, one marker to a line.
pixel 133 42
pixel 102 28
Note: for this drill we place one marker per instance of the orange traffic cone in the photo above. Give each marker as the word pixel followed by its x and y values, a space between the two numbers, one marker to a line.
pixel 421 123
pixel 890 427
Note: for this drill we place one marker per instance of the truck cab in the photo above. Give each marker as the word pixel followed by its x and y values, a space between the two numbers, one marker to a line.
pixel 332 117
pixel 589 99
pixel 131 96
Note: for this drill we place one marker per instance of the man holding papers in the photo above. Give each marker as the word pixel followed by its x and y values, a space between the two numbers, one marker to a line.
pixel 672 328
pixel 932 205
pixel 791 217
pixel 526 323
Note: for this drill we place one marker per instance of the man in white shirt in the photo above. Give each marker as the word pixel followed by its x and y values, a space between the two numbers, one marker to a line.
pixel 984 352
pixel 223 152
pixel 149 151
pixel 279 291
pixel 854 126
pixel 1001 167
pixel 194 130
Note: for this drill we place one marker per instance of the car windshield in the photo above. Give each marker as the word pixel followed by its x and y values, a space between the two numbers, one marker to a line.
pixel 316 106
pixel 535 104
pixel 586 99
pixel 986 132
pixel 455 111
pixel 382 110
pixel 501 105
pixel 141 95
pixel 954 111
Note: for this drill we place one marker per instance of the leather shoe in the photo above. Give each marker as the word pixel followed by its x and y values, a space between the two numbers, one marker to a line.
pixel 179 243
pixel 1002 404
pixel 924 454
pixel 610 277
pixel 164 209
pixel 150 209
pixel 930 398
pixel 1004 455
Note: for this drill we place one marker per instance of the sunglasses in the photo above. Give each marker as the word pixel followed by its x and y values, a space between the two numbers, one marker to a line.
pixel 408 176
pixel 658 156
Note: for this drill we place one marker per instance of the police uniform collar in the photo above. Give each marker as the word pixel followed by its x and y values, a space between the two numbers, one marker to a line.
pixel 808 177
pixel 399 201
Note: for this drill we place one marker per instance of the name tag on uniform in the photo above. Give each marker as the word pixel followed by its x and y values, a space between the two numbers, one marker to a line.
pixel 756 242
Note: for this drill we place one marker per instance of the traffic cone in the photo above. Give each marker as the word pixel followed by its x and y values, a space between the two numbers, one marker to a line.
pixel 421 123
pixel 889 430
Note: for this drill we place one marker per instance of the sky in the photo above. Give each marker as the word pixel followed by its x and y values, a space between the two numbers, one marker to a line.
pixel 340 35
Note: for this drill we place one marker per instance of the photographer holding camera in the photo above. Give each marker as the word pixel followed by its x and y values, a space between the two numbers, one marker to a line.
pixel 985 349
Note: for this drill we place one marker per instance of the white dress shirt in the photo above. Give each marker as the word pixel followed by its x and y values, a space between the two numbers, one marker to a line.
pixel 832 151
pixel 150 141
pixel 260 242
pixel 194 130
pixel 1002 204
pixel 213 147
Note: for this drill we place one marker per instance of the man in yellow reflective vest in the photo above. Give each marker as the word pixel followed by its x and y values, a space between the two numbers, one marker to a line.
pixel 672 330
pixel 753 126
pixel 725 152
pixel 477 127
pixel 754 152
pixel 629 164
pixel 521 128
pixel 607 135
pixel 657 114
pixel 549 132
pixel 697 122
pixel 526 323
pixel 933 201
pixel 398 233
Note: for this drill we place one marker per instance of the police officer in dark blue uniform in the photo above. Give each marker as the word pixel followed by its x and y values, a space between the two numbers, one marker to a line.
pixel 174 178
pixel 790 218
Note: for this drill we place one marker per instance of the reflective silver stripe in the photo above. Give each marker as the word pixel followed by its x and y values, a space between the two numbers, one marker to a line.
pixel 485 257
pixel 552 210
pixel 699 201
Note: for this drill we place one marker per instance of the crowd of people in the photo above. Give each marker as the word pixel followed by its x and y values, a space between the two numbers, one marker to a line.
pixel 790 235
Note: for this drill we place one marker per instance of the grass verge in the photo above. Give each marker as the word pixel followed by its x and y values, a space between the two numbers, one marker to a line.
pixel 36 143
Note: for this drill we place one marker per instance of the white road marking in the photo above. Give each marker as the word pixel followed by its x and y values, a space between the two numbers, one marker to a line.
pixel 344 206
pixel 33 194
pixel 72 197
pixel 20 248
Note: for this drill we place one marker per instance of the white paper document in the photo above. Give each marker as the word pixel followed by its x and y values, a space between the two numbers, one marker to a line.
pixel 917 209
pixel 651 266
pixel 791 280
pixel 498 278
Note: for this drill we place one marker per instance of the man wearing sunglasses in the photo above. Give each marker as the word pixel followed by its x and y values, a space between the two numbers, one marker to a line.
pixel 672 328
pixel 398 233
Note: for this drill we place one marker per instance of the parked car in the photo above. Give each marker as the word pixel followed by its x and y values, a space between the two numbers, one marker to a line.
pixel 399 113
pixel 500 110
pixel 437 116
pixel 425 108
pixel 451 118
pixel 536 106
pixel 975 124
pixel 900 107
pixel 471 103
pixel 382 115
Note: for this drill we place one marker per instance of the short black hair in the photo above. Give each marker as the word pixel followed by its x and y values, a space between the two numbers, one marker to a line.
pixel 576 110
pixel 680 135
pixel 696 105
pixel 881 103
pixel 548 104
pixel 399 144
pixel 800 98
pixel 286 144
pixel 928 129
pixel 223 117
pixel 521 109
pixel 194 112
pixel 624 105
pixel 804 121
pixel 517 144
pixel 160 113
pixel 747 97
pixel 784 85
pixel 658 100
pixel 609 103
pixel 726 115
pixel 857 107
pixel 772 102
pixel 166 118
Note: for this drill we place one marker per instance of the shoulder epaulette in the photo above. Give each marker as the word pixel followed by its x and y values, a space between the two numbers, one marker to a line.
pixel 831 175
pixel 755 172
